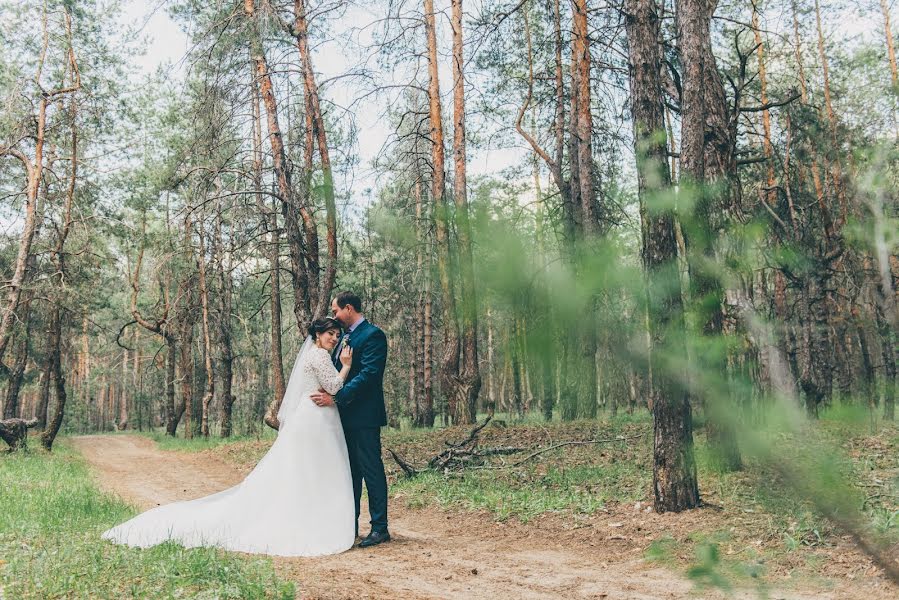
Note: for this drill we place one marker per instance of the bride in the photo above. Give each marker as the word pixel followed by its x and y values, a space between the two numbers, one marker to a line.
pixel 298 500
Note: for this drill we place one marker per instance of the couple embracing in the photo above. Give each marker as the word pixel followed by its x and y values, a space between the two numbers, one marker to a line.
pixel 303 497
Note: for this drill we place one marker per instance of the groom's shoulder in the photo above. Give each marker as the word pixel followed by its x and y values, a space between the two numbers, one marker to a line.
pixel 374 329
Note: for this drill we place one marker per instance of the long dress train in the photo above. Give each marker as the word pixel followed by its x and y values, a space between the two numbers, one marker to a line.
pixel 297 501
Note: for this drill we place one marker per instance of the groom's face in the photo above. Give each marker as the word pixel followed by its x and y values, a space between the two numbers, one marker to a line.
pixel 342 314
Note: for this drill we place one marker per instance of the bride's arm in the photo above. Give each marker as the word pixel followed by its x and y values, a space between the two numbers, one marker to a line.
pixel 328 377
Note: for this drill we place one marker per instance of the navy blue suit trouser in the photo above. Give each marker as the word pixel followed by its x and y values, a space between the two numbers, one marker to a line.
pixel 364 448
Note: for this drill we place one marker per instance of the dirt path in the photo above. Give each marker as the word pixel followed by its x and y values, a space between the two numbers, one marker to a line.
pixel 434 554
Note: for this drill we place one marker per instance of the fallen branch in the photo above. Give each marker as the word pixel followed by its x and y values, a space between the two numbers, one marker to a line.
pixel 408 469
pixel 443 460
pixel 560 445
pixel 457 456
pixel 457 453
pixel 471 436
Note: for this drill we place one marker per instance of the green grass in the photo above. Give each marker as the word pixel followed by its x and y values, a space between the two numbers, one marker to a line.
pixel 485 491
pixel 50 524
pixel 200 443
pixel 573 479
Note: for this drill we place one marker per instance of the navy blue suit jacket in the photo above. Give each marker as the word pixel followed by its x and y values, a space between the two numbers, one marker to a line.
pixel 361 400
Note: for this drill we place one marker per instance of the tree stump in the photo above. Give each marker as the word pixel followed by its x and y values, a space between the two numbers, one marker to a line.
pixel 15 432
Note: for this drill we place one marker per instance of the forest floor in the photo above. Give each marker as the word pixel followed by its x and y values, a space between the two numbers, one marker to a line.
pixel 439 550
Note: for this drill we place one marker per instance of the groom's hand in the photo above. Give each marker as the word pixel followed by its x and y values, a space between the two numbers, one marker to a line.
pixel 322 398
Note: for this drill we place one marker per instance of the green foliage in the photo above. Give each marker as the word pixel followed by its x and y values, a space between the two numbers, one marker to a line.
pixel 705 572
pixel 50 528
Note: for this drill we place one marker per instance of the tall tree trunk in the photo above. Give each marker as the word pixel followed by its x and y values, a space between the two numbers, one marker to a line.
pixel 891 55
pixel 207 338
pixel 138 402
pixel 295 241
pixel 706 162
pixel 583 132
pixel 185 408
pixel 43 397
pixel 428 352
pixel 514 344
pixel 54 358
pixel 813 361
pixel 573 146
pixel 469 380
pixel 104 406
pixel 868 378
pixel 317 121
pixel 842 356
pixel 816 175
pixel 769 195
pixel 555 162
pixel 587 220
pixel 172 412
pixel 85 364
pixel 891 52
pixel 674 468
pixel 424 395
pixel 419 404
pixel 888 340
pixel 568 200
pixel 491 367
pixel 836 168
pixel 16 374
pixel 224 337
pixel 449 367
pixel 186 320
pixel 815 348
pixel 271 223
pixel 122 424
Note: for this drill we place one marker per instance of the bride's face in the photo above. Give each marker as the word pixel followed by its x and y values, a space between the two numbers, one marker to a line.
pixel 328 339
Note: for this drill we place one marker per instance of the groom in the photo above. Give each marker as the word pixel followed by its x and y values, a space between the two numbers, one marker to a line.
pixel 361 406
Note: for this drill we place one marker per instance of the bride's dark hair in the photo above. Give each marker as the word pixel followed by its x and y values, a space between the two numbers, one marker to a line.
pixel 319 326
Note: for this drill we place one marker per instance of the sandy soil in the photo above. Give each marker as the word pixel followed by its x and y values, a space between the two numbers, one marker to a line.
pixel 440 554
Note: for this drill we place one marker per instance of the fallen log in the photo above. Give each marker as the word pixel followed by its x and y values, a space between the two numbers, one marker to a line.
pixel 561 445
pixel 466 454
pixel 15 432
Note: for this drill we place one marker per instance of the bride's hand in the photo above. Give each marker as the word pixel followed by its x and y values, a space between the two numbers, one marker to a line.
pixel 346 356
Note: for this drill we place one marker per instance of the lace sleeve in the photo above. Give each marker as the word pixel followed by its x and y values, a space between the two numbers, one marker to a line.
pixel 324 370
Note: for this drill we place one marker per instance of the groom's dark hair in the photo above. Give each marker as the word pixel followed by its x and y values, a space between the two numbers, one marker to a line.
pixel 346 297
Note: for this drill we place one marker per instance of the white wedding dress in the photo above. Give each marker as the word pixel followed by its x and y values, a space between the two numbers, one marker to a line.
pixel 297 501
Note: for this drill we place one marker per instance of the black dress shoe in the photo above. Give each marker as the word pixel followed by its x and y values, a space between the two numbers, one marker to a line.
pixel 374 538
